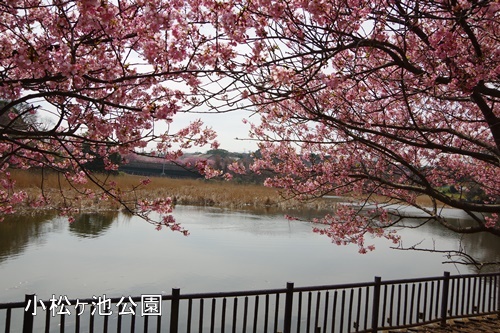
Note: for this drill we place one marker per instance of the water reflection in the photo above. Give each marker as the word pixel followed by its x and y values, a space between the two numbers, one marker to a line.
pixel 227 250
pixel 17 232
pixel 92 225
pixel 483 247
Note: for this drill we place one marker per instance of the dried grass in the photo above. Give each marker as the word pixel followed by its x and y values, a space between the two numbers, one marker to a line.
pixel 198 192
pixel 183 191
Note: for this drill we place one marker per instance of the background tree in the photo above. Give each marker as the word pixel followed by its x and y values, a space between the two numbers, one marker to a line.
pixel 390 100
pixel 97 163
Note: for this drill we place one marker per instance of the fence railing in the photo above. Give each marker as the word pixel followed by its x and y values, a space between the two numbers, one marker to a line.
pixel 355 307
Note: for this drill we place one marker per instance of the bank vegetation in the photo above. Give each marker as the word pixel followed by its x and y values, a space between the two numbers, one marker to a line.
pixel 198 192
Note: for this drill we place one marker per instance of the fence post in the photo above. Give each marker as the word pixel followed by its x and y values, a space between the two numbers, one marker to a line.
pixel 376 303
pixel 174 310
pixel 288 308
pixel 28 312
pixel 444 299
pixel 497 285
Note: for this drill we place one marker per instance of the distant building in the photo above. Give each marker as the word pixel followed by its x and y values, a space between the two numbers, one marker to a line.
pixel 167 169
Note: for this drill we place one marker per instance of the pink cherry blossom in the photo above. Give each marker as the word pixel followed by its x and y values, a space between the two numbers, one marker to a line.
pixel 383 100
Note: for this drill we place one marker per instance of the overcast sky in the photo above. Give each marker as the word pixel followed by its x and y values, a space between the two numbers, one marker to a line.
pixel 229 128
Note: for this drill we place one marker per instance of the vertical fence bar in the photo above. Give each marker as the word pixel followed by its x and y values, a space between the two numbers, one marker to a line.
pixel 62 323
pixel 91 319
pixel 376 304
pixel 325 317
pixel 405 315
pixel 479 294
pixel 200 318
pixel 485 287
pixel 474 293
pixel 316 314
pixel 106 320
pixel 119 319
pixel 357 324
pixel 7 320
pixel 132 324
pixel 462 305
pixel 256 314
pixel 426 295
pixel 438 293
pixel 334 311
pixel 158 324
pixel 490 293
pixel 174 310
pixel 412 302
pixel 444 299
pixel 431 301
pixel 288 308
pixel 419 296
pixel 47 322
pixel 266 314
pixel 384 307
pixel 367 299
pixel 349 320
pixel 245 314
pixel 399 306
pixel 299 312
pixel 497 296
pixel 493 293
pixel 223 318
pixel 454 294
pixel 391 308
pixel 212 316
pixel 189 315
pixel 235 313
pixel 29 309
pixel 308 322
pixel 467 307
pixel 146 324
pixel 276 312
pixel 342 310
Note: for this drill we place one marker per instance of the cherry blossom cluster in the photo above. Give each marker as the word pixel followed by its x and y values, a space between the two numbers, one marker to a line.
pixel 390 100
pixel 83 80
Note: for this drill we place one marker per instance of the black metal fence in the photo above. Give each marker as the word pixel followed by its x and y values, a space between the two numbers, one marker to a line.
pixel 356 307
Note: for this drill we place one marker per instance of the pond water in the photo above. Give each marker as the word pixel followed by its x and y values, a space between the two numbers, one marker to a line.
pixel 118 255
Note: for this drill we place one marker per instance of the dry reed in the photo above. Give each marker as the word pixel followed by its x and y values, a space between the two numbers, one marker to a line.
pixel 198 192
pixel 183 191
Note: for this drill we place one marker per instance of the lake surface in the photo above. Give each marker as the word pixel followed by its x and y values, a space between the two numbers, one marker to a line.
pixel 118 255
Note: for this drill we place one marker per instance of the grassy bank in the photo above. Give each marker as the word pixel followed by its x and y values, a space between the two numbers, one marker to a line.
pixel 184 191
pixel 198 192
